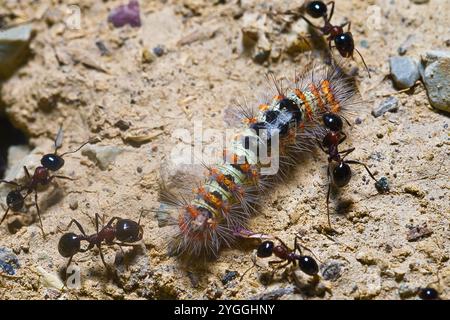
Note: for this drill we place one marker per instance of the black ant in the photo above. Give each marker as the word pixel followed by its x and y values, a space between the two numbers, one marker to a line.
pixel 338 172
pixel 123 233
pixel 51 162
pixel 267 248
pixel 343 41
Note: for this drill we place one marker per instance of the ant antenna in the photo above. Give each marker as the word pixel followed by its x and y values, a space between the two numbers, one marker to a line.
pixel 69 152
pixel 59 139
pixel 364 62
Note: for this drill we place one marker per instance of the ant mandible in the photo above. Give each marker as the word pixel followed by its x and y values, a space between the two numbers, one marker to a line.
pixel 51 162
pixel 338 172
pixel 125 231
pixel 343 41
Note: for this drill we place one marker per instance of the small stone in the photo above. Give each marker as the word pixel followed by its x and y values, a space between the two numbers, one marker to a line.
pixel 404 71
pixel 388 105
pixel 418 232
pixel 332 271
pixel 159 50
pixel 366 257
pixel 102 155
pixel 126 14
pixel 436 77
pixel 9 262
pixel 407 44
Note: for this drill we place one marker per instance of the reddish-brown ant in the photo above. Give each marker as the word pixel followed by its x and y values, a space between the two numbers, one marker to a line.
pixel 339 172
pixel 51 162
pixel 124 232
pixel 343 41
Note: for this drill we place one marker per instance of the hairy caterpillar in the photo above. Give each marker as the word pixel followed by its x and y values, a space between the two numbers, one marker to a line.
pixel 215 212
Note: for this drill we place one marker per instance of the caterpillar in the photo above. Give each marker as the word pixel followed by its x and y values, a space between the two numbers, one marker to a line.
pixel 212 216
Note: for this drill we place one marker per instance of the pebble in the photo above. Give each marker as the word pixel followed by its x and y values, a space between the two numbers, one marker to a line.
pixel 436 77
pixel 159 50
pixel 13 47
pixel 404 71
pixel 9 262
pixel 388 105
pixel 382 185
pixel 102 155
pixel 407 44
pixel 406 291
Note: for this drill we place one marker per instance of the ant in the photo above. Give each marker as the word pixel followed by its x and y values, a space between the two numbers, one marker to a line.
pixel 51 162
pixel 123 233
pixel 338 172
pixel 267 248
pixel 428 294
pixel 343 41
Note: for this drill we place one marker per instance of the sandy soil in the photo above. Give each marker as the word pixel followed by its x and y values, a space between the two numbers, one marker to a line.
pixel 133 101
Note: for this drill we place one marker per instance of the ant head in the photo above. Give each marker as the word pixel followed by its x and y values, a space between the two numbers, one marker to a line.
pixel 52 162
pixel 428 294
pixel 128 231
pixel 341 174
pixel 332 121
pixel 316 9
pixel 344 44
pixel 14 200
pixel 69 244
pixel 308 265
pixel 265 249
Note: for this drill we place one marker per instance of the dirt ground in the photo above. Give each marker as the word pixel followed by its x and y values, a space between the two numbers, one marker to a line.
pixel 133 101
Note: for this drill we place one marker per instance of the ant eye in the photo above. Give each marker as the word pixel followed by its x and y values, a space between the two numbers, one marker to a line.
pixel 308 265
pixel 14 200
pixel 128 231
pixel 69 244
pixel 332 121
pixel 428 294
pixel 316 9
pixel 265 249
pixel 345 44
pixel 52 162
pixel 342 175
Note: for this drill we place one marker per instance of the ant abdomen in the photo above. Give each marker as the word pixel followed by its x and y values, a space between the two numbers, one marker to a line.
pixel 128 231
pixel 15 200
pixel 69 244
pixel 52 162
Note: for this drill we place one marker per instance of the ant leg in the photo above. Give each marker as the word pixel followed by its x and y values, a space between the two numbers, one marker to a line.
pixel 103 258
pixel 283 244
pixel 10 182
pixel 4 216
pixel 61 177
pixel 110 222
pixel 346 152
pixel 299 246
pixel 364 62
pixel 27 173
pixel 364 165
pixel 277 262
pixel 343 138
pixel 38 211
pixel 68 263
